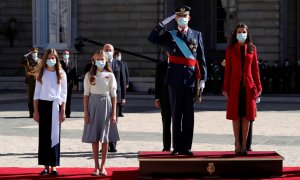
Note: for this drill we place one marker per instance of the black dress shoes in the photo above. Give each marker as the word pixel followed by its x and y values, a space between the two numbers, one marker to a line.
pixel 44 172
pixel 121 115
pixel 166 149
pixel 54 173
pixel 186 152
pixel 112 150
pixel 174 153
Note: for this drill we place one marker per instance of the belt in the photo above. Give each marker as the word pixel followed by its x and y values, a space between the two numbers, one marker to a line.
pixel 55 120
pixel 186 62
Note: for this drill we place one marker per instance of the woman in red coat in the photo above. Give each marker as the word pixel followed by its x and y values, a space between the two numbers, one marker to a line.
pixel 241 84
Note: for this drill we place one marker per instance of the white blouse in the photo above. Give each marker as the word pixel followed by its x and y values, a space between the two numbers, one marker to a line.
pixel 105 83
pixel 49 88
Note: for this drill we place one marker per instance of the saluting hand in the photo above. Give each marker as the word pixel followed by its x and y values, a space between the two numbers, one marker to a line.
pixel 167 20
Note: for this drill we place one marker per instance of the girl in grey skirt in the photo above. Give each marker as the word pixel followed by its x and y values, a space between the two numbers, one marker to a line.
pixel 99 109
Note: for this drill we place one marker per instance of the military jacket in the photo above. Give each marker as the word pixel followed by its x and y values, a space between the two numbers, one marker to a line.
pixel 30 66
pixel 179 74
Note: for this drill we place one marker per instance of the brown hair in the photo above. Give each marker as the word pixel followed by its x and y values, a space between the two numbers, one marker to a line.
pixel 43 65
pixel 93 70
pixel 248 41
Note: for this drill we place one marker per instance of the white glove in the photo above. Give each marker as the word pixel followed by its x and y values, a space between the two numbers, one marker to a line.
pixel 202 85
pixel 167 20
pixel 258 100
pixel 25 55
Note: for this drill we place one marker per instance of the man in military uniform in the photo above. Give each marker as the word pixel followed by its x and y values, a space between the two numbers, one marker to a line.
pixel 186 75
pixel 30 63
pixel 72 79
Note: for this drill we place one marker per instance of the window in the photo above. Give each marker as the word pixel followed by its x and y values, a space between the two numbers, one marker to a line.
pixel 225 22
pixel 52 23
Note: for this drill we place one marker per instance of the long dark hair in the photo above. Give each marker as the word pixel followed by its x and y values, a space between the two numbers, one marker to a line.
pixel 43 65
pixel 248 41
pixel 93 70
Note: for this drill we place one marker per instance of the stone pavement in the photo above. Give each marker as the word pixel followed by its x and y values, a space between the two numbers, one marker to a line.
pixel 277 128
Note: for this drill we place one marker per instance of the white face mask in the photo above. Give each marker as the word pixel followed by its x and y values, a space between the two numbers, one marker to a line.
pixel 34 55
pixel 66 56
pixel 51 62
pixel 109 55
pixel 118 58
pixel 241 37
pixel 100 63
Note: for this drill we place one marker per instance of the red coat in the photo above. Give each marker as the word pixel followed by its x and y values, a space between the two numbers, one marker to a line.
pixel 232 78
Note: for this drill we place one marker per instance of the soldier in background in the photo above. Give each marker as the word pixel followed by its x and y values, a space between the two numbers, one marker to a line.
pixel 264 75
pixel 297 76
pixel 287 76
pixel 30 63
pixel 217 75
pixel 209 81
pixel 275 74
pixel 72 79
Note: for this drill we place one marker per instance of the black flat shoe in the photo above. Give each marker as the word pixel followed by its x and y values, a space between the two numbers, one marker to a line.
pixel 44 172
pixel 54 173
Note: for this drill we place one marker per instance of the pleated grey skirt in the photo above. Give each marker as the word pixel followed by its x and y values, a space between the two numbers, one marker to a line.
pixel 100 110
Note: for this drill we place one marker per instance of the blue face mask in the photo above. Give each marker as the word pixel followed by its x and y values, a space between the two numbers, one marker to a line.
pixel 109 55
pixel 51 62
pixel 183 21
pixel 100 63
pixel 241 37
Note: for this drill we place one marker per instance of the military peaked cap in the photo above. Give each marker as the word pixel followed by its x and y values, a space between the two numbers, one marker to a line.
pixel 34 50
pixel 183 10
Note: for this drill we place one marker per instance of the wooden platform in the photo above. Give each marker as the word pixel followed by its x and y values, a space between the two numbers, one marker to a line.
pixel 212 164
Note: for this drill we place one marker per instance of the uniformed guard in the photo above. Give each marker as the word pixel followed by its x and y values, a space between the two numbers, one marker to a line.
pixel 186 75
pixel 30 63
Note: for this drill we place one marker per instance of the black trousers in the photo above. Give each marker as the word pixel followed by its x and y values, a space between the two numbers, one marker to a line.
pixel 47 156
pixel 182 110
pixel 120 109
pixel 68 103
pixel 30 93
pixel 166 122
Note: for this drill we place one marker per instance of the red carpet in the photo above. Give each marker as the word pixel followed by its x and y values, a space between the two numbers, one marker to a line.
pixel 128 173
pixel 210 154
